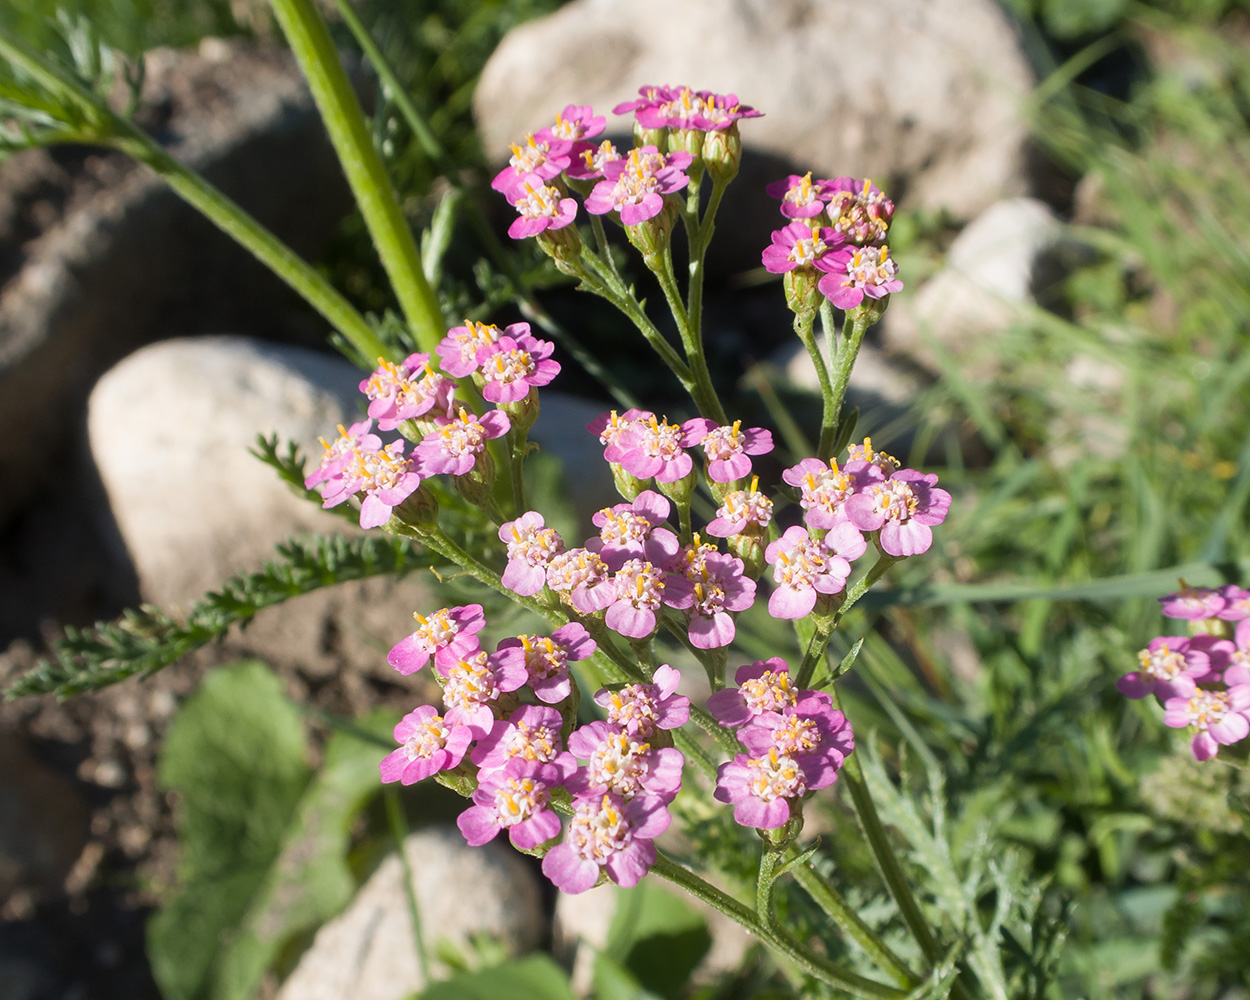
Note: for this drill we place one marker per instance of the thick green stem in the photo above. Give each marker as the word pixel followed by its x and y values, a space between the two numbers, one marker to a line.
pixel 314 50
pixel 814 653
pixel 516 463
pixel 849 922
pixel 810 963
pixel 703 392
pixel 770 860
pixel 803 323
pixel 853 330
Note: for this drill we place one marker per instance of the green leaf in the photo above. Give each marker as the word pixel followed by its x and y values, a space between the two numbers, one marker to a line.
pixel 263 840
pixel 657 937
pixel 611 981
pixel 534 978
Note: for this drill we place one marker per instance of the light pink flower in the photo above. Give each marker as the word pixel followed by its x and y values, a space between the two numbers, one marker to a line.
pixel 608 834
pixel 649 97
pixel 886 464
pixel 516 798
pixel 1169 668
pixel 541 158
pixel 641 709
pixel 640 590
pixel 446 635
pixel 803 569
pixel 338 453
pixel 547 659
pixel 430 745
pixel 512 366
pixel 825 489
pixel 651 447
pixel 395 395
pixel 386 477
pixel 812 733
pixel 904 507
pixel 860 212
pixel 763 686
pixel 623 765
pixel 590 160
pixel 581 577
pixel 761 789
pixel 531 546
pixel 711 596
pixel 741 509
pixel 861 271
pixel 800 198
pixel 575 122
pixel 609 427
pixel 635 186
pixel 1217 717
pixel 458 350
pixel 801 245
pixel 634 531
pixel 727 447
pixel 475 684
pixel 1193 603
pixel 539 207
pixel 1236 603
pixel 454 446
pixel 681 107
pixel 532 732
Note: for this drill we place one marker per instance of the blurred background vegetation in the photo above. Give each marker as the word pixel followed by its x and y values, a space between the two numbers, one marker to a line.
pixel 1055 805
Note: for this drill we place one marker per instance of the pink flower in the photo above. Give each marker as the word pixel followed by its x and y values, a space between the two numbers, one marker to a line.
pixel 610 426
pixel 640 709
pixel 395 396
pixel 541 158
pixel 863 271
pixel 813 734
pixel 1217 717
pixel 475 684
pixel 1193 603
pixel 429 745
pixel 887 465
pixel 639 589
pixel 635 186
pixel 649 97
pixel 741 509
pixel 575 122
pixel 711 597
pixel 803 568
pixel 1169 669
pixel 516 798
pixel 532 732
pixel 459 348
pixel 512 366
pixel 800 245
pixel 338 453
pixel 385 476
pixel 727 447
pixel 539 207
pixel 1238 669
pixel 547 659
pixel 633 531
pixel 581 578
pixel 590 160
pixel 681 107
pixel 447 635
pixel 453 448
pixel 1236 603
pixel 761 788
pixel 825 489
pixel 800 198
pixel 650 447
pixel 861 214
pixel 763 686
pixel 620 764
pixel 904 507
pixel 531 546
pixel 608 834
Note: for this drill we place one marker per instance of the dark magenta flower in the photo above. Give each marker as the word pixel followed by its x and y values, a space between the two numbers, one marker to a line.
pixel 727 448
pixel 904 507
pixel 532 732
pixel 574 123
pixel 516 798
pixel 860 213
pixel 539 208
pixel 635 186
pixel 511 366
pixel 430 745
pixel 547 659
pixel 541 158
pixel 641 709
pixel 1169 668
pixel 856 273
pixel 623 765
pixel 649 97
pixel 801 245
pixel 395 395
pixel 589 160
pixel 763 686
pixel 800 198
pixel 1216 717
pixel 454 446
pixel 634 531
pixel 607 833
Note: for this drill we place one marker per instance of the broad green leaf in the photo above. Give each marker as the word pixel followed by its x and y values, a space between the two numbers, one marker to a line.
pixel 534 978
pixel 612 981
pixel 657 937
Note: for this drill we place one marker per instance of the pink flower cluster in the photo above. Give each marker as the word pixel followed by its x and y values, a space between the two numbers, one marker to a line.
pixel 1203 679
pixel 795 742
pixel 634 183
pixel 837 235
pixel 505 711
pixel 509 366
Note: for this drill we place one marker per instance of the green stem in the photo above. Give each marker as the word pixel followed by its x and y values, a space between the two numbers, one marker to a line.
pixel 516 461
pixel 843 914
pixel 115 131
pixel 803 323
pixel 700 239
pixel 770 859
pixel 814 653
pixel 314 50
pixel 702 391
pixel 853 329
pixel 814 965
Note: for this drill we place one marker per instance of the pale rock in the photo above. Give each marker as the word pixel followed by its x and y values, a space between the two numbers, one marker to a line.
pixel 987 284
pixel 925 97
pixel 367 952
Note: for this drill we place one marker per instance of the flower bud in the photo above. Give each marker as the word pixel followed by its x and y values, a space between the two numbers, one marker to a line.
pixel 476 484
pixel 722 153
pixel 420 509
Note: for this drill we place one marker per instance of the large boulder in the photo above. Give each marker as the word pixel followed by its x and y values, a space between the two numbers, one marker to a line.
pixel 922 96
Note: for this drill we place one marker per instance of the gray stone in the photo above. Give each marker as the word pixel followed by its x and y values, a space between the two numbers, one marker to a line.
pixel 923 97
pixel 992 270
pixel 367 952
pixel 100 257
pixel 170 430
